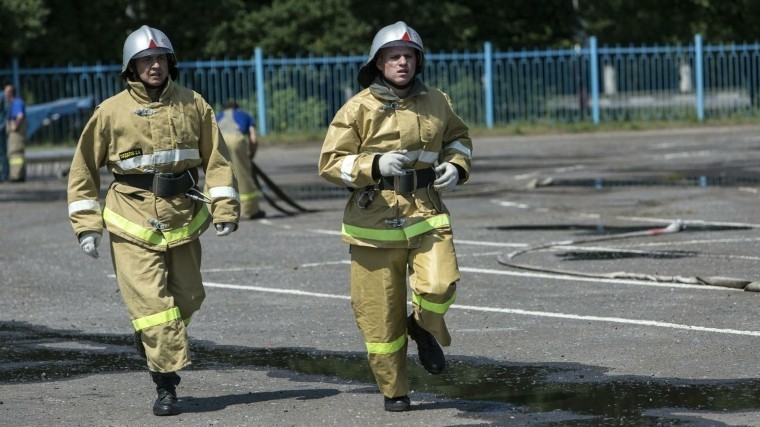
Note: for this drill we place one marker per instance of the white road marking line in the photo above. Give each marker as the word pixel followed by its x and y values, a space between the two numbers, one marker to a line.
pixel 482 243
pixel 589 279
pixel 505 310
pixel 556 277
pixel 275 290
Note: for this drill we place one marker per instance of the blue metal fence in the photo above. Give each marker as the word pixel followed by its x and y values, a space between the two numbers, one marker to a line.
pixel 489 88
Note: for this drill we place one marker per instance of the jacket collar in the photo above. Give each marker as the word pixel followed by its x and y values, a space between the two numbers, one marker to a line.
pixel 139 93
pixel 381 91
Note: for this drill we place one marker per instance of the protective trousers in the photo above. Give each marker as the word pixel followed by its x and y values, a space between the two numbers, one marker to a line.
pixel 378 298
pixel 161 290
pixel 240 154
pixel 16 160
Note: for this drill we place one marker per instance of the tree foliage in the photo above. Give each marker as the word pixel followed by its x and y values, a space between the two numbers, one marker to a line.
pixel 22 22
pixel 49 32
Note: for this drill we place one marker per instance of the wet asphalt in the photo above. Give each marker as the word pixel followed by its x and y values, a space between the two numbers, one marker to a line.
pixel 574 308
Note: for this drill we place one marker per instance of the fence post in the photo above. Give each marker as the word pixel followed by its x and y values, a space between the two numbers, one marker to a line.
pixel 16 76
pixel 260 98
pixel 488 83
pixel 594 65
pixel 699 77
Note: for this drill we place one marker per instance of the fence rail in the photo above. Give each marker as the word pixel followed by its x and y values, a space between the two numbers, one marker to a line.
pixel 489 88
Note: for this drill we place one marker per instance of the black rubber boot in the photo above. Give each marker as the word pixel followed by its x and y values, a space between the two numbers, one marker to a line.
pixel 397 404
pixel 431 355
pixel 139 346
pixel 166 383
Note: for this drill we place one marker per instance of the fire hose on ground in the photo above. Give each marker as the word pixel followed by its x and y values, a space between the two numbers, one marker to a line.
pixel 675 227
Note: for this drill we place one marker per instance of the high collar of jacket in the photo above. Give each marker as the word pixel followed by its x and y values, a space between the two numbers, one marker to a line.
pixel 140 93
pixel 381 91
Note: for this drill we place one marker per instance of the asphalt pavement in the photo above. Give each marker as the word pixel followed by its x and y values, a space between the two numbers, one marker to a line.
pixel 628 298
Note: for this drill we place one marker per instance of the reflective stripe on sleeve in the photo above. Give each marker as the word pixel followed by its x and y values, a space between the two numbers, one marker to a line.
pixel 216 192
pixel 431 306
pixel 84 205
pixel 156 319
pixel 152 236
pixel 345 170
pixel 458 146
pixel 386 347
pixel 428 157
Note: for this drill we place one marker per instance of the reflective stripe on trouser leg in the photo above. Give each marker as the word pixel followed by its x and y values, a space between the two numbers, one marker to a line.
pixel 238 145
pixel 161 291
pixel 378 298
pixel 433 273
pixel 16 159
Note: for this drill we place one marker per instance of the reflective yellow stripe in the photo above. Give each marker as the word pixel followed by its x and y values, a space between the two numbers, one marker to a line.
pixel 371 233
pixel 141 233
pixel 431 306
pixel 386 347
pixel 183 232
pixel 397 234
pixel 15 160
pixel 150 235
pixel 427 225
pixel 156 319
pixel 249 196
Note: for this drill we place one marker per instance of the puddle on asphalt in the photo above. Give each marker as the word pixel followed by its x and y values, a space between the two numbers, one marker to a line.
pixel 606 255
pixel 32 354
pixel 611 230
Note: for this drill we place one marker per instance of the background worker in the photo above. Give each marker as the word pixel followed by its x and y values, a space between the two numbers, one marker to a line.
pixel 396 145
pixel 15 127
pixel 3 141
pixel 239 131
pixel 153 136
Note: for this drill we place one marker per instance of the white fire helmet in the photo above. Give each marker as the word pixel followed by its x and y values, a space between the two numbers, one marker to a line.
pixel 148 41
pixel 398 34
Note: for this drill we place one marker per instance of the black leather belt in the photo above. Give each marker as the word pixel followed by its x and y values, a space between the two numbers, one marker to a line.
pixel 407 183
pixel 160 184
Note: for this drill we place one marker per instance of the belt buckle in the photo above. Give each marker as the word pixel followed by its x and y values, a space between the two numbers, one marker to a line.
pixel 406 183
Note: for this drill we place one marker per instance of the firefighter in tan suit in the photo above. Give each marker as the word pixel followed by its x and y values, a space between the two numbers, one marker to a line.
pixel 239 131
pixel 397 145
pixel 153 136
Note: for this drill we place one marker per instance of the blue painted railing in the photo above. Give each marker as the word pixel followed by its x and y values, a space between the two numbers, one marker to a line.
pixel 489 88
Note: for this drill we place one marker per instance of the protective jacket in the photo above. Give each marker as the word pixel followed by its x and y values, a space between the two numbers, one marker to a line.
pixel 130 134
pixel 376 121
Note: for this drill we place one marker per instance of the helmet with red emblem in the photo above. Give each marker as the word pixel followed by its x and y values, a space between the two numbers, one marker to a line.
pixel 398 34
pixel 147 41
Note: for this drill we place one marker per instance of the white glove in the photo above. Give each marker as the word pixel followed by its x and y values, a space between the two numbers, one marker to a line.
pixel 89 242
pixel 224 228
pixel 393 163
pixel 448 176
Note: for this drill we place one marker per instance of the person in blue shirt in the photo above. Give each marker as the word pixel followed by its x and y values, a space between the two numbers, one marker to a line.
pixel 15 125
pixel 239 131
pixel 3 142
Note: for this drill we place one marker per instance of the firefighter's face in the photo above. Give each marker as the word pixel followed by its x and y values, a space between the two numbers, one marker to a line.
pixel 398 64
pixel 152 69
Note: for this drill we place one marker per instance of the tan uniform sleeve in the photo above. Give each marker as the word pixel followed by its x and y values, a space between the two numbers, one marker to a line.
pixel 220 178
pixel 85 212
pixel 457 144
pixel 340 161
